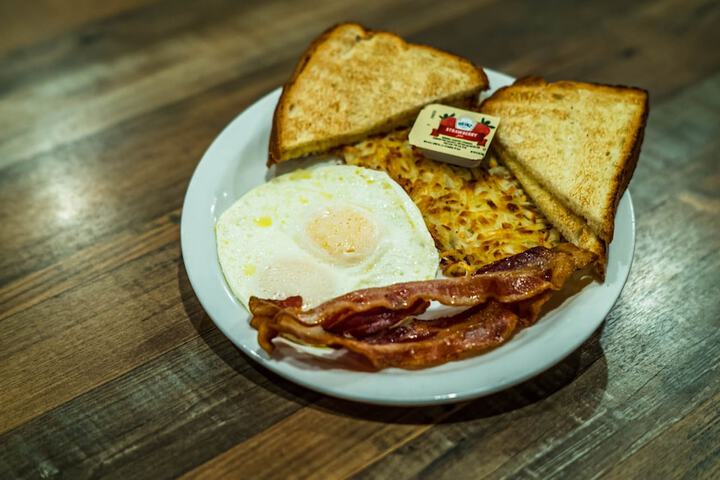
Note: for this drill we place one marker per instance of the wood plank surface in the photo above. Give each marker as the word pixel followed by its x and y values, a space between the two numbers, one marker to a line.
pixel 109 366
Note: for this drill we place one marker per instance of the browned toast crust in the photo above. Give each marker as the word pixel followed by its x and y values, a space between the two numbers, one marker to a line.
pixel 622 180
pixel 573 228
pixel 275 154
pixel 274 148
pixel 629 155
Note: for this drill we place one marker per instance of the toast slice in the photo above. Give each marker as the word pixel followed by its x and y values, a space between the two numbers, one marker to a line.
pixel 571 226
pixel 352 83
pixel 574 147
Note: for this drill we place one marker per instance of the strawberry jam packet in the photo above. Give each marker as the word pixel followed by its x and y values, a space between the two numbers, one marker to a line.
pixel 452 135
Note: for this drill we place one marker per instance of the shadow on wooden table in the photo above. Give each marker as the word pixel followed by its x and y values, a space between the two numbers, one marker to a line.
pixel 532 391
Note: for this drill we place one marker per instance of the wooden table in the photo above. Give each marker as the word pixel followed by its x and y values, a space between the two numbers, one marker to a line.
pixel 110 367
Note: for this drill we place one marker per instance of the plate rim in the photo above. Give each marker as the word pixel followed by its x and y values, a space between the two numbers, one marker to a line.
pixel 274 365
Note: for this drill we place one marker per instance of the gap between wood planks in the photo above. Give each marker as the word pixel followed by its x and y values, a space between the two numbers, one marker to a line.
pixel 93 153
pixel 30 407
pixel 193 64
pixel 246 453
pixel 581 42
pixel 86 265
pixel 310 459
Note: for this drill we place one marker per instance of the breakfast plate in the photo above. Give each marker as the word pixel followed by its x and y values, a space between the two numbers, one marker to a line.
pixel 236 162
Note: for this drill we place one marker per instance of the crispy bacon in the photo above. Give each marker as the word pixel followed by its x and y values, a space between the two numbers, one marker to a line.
pixel 379 324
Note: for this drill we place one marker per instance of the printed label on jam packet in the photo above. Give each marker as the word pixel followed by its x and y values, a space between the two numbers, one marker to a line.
pixel 453 135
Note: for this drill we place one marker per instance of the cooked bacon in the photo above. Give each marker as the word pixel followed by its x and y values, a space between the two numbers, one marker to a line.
pixel 363 324
pixel 378 323
pixel 417 344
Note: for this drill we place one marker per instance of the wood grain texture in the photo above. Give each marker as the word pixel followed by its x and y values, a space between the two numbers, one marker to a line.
pixel 29 22
pixel 109 366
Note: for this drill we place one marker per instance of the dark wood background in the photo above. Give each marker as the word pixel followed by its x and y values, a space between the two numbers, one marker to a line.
pixel 109 366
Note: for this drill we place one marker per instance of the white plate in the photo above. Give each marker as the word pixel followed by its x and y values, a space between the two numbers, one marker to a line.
pixel 235 162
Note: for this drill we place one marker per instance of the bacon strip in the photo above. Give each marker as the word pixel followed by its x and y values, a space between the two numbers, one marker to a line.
pixel 377 323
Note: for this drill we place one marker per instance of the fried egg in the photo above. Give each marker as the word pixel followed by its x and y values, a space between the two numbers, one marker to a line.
pixel 322 232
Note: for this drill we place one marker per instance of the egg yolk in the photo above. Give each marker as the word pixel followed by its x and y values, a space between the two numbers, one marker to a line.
pixel 263 221
pixel 288 277
pixel 344 233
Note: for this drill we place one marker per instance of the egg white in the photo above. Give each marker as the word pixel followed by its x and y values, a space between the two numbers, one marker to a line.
pixel 323 232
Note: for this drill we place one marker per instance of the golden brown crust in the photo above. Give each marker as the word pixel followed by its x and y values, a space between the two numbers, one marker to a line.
pixel 274 146
pixel 538 81
pixel 622 179
pixel 534 80
pixel 628 157
pixel 572 227
pixel 597 233
pixel 631 155
pixel 275 151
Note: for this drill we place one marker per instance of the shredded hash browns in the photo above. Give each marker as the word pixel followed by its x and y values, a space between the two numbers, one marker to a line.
pixel 476 216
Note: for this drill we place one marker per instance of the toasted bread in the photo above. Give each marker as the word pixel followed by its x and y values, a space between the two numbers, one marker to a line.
pixel 571 226
pixel 352 83
pixel 574 147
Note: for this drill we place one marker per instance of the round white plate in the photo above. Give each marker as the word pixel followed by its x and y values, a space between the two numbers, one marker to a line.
pixel 235 162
